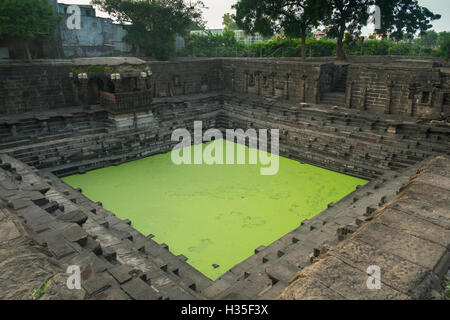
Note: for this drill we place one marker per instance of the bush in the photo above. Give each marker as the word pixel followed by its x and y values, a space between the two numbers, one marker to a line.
pixel 402 49
pixel 226 45
pixel 444 45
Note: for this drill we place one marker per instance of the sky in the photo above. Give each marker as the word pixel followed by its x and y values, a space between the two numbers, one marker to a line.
pixel 217 8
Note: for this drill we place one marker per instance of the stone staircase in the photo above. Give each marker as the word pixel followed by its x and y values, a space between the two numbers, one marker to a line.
pixel 336 96
pixel 333 98
pixel 342 140
pixel 116 261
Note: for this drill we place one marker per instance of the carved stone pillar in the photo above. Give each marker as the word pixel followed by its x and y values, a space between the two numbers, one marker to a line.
pixel 258 74
pixel 349 95
pixel 246 75
pixel 286 86
pixel 116 79
pixel 364 100
pixel 12 128
pixel 389 86
pixel 67 118
pixel 304 77
pixel 233 75
pixel 43 123
pixel 412 97
pixel 73 82
pixel 83 78
pixel 317 91
pixel 142 81
pixel 272 75
pixel 439 101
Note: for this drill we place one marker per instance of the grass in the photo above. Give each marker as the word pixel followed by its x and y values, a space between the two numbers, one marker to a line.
pixel 38 293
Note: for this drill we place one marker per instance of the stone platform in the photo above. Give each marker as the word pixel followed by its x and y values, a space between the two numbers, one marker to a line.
pixel 408 239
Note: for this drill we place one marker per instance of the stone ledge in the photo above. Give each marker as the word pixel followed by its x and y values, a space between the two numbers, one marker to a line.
pixel 411 252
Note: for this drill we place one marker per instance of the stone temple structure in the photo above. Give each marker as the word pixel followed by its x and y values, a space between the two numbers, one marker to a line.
pixel 385 119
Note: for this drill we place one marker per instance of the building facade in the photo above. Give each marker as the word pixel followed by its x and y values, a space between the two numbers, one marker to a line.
pixel 240 35
pixel 96 36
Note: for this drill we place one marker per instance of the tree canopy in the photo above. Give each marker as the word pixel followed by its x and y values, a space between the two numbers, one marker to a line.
pixel 27 20
pixel 444 44
pixel 229 22
pixel 404 17
pixel 291 17
pixel 429 39
pixel 155 23
pixel 340 17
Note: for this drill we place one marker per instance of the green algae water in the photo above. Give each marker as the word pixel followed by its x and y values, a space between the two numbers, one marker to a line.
pixel 214 214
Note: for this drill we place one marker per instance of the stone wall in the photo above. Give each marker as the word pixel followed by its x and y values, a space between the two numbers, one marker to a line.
pixel 290 80
pixel 416 89
pixel 342 140
pixel 45 84
pixel 37 86
pixel 411 91
pixel 105 140
pixel 186 77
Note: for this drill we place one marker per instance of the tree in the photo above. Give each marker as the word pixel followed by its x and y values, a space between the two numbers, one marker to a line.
pixel 398 18
pixel 292 17
pixel 346 16
pixel 404 17
pixel 155 23
pixel 27 20
pixel 444 44
pixel 429 39
pixel 229 22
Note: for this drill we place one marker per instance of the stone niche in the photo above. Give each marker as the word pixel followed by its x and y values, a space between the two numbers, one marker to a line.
pixel 120 85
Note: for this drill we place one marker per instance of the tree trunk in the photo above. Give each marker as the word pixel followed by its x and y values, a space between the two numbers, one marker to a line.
pixel 340 49
pixel 303 44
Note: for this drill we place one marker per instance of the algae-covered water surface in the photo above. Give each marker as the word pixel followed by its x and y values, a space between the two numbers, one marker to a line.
pixel 214 214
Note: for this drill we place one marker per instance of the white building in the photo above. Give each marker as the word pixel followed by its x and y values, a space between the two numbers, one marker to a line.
pixel 240 35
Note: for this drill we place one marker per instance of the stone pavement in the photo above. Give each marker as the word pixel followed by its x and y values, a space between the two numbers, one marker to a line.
pixel 409 240
pixel 42 232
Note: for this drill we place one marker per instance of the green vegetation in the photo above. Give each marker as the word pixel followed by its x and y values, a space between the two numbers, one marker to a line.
pixel 94 69
pixel 154 24
pixel 226 45
pixel 214 214
pixel 26 22
pixel 444 45
pixel 38 293
pixel 229 21
pixel 446 292
pixel 293 18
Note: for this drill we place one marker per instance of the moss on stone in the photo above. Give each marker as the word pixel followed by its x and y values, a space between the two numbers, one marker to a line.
pixel 38 293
